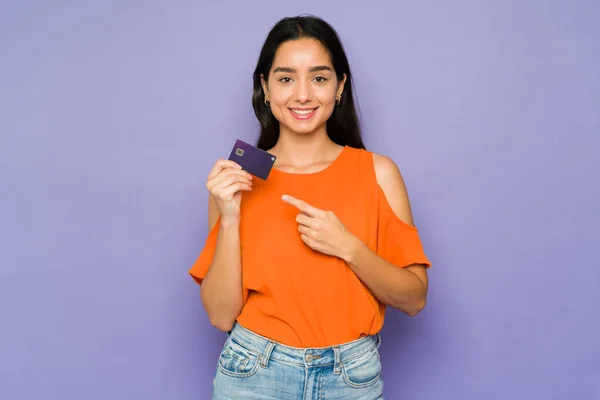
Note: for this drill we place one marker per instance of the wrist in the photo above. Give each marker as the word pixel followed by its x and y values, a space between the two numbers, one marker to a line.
pixel 351 250
pixel 230 221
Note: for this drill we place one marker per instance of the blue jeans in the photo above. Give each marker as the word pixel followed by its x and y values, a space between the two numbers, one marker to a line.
pixel 253 367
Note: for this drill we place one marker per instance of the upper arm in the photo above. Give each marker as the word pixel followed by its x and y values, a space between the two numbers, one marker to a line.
pixel 390 180
pixel 213 212
pixel 392 184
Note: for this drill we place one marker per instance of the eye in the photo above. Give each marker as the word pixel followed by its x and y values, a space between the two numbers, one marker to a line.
pixel 321 79
pixel 285 79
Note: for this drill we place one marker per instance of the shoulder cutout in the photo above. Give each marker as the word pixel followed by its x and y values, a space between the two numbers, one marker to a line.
pixel 392 184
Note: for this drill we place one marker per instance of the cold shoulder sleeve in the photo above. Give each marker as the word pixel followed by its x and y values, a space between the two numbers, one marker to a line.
pixel 202 264
pixel 397 242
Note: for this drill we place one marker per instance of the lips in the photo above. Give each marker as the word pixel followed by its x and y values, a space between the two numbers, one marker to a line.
pixel 303 113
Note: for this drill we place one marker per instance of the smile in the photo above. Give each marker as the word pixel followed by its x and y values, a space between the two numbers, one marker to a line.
pixel 303 113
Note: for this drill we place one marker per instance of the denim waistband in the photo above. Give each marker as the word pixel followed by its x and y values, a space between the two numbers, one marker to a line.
pixel 268 349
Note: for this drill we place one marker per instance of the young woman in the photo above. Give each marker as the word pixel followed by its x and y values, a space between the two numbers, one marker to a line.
pixel 300 268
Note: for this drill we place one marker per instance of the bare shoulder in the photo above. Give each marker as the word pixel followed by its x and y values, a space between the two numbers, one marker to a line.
pixel 392 184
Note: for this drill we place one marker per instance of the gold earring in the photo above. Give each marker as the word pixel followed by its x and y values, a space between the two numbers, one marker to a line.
pixel 267 102
pixel 338 100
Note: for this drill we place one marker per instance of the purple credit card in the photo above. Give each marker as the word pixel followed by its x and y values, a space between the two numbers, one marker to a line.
pixel 252 159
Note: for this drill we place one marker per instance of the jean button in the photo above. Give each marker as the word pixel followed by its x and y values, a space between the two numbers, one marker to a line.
pixel 309 357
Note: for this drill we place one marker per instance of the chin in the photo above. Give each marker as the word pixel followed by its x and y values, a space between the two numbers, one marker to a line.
pixel 303 129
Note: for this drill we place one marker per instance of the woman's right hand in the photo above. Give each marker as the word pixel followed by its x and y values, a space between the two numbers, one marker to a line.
pixel 225 182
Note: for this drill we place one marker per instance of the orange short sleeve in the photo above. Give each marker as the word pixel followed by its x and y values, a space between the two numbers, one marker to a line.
pixel 397 242
pixel 202 264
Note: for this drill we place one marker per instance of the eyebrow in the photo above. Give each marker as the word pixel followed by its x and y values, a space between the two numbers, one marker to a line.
pixel 311 69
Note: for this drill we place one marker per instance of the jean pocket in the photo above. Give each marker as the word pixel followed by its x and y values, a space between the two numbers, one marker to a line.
pixel 237 361
pixel 362 371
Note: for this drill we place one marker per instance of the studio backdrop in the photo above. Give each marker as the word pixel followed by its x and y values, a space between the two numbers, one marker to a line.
pixel 112 114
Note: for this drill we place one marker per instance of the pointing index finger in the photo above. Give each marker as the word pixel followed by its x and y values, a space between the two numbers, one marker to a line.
pixel 300 205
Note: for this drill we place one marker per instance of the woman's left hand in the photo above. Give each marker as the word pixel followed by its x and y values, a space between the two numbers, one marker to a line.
pixel 322 230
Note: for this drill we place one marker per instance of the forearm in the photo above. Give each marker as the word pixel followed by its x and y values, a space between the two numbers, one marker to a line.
pixel 396 287
pixel 221 289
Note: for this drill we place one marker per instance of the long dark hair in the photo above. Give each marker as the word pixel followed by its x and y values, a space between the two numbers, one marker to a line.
pixel 343 127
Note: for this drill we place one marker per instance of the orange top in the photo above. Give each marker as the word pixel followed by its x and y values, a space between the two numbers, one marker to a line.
pixel 293 294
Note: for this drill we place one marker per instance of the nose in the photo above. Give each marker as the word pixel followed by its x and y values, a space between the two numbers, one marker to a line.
pixel 303 92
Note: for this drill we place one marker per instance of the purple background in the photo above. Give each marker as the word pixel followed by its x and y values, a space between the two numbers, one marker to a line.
pixel 112 113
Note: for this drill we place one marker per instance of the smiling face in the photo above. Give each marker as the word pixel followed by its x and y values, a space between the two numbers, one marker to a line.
pixel 302 86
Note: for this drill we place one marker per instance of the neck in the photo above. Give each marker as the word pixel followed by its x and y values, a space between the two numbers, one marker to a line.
pixel 303 150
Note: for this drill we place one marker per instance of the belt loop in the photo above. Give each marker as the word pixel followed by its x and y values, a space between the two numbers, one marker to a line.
pixel 337 365
pixel 378 340
pixel 267 354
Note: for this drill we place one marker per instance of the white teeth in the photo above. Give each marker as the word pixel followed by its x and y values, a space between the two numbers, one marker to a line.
pixel 303 112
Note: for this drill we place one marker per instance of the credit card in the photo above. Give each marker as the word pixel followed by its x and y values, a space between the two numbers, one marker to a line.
pixel 252 159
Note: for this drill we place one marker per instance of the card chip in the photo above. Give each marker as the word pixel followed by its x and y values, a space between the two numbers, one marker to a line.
pixel 239 152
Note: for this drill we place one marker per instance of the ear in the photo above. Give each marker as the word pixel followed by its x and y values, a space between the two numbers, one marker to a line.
pixel 264 86
pixel 341 84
